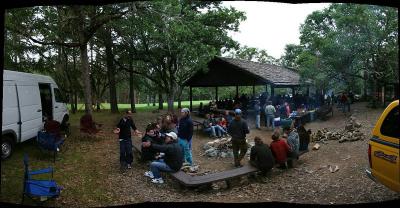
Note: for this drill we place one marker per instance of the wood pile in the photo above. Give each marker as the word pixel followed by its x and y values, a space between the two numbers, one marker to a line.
pixel 351 132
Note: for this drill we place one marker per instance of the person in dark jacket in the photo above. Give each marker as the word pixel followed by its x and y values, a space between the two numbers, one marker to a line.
pixel 152 135
pixel 125 141
pixel 304 137
pixel 261 156
pixel 172 161
pixel 185 134
pixel 238 129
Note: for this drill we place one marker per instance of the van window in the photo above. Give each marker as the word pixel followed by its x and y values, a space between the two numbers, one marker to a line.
pixel 57 96
pixel 390 126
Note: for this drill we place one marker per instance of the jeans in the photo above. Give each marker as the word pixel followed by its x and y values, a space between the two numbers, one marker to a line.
pixel 239 145
pixel 270 120
pixel 258 121
pixel 157 166
pixel 210 131
pixel 187 153
pixel 219 130
pixel 125 151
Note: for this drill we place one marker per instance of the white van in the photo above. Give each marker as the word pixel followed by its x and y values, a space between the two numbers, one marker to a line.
pixel 27 100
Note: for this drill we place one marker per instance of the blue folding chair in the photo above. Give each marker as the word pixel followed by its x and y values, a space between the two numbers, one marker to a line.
pixel 34 188
pixel 49 142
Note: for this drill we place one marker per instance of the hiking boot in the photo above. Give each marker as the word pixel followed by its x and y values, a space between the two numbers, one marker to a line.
pixel 149 174
pixel 129 166
pixel 157 180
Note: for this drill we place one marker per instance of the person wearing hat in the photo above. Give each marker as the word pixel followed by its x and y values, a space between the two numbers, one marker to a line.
pixel 172 161
pixel 185 134
pixel 238 129
pixel 125 141
pixel 152 134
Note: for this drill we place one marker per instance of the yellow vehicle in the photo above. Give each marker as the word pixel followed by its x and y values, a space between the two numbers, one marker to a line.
pixel 383 150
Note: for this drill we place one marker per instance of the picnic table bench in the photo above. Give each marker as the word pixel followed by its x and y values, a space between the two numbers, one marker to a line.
pixel 195 181
pixel 197 124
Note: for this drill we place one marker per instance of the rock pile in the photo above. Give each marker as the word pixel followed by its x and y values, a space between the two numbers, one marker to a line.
pixel 222 148
pixel 351 132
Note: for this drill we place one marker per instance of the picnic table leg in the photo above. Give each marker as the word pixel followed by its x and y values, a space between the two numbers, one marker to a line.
pixel 228 184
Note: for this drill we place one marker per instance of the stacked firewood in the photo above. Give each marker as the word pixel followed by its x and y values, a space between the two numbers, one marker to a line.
pixel 351 132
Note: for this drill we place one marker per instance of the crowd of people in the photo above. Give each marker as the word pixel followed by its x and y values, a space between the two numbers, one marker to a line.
pixel 166 143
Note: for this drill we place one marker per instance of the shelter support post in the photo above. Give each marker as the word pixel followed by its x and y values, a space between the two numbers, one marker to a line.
pixel 190 98
pixel 216 93
pixel 237 91
pixel 272 90
pixel 292 90
pixel 254 90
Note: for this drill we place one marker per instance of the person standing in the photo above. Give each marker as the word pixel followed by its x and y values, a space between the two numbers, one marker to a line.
pixel 270 114
pixel 261 156
pixel 185 134
pixel 125 141
pixel 238 129
pixel 257 111
pixel 172 160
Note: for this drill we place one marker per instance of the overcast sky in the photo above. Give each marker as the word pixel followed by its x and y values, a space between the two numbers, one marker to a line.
pixel 270 26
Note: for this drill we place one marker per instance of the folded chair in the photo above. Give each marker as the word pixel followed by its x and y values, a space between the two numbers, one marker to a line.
pixel 48 142
pixel 39 189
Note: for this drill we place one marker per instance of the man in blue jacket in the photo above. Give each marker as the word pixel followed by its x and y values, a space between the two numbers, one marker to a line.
pixel 185 134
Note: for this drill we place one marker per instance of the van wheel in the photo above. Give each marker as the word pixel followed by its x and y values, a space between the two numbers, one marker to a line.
pixel 6 147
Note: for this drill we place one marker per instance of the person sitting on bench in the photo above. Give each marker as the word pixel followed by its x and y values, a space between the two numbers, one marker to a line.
pixel 172 161
pixel 222 123
pixel 279 149
pixel 294 143
pixel 261 156
pixel 219 131
pixel 208 127
pixel 152 135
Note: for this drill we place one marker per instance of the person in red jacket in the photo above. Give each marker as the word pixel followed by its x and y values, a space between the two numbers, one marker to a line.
pixel 280 150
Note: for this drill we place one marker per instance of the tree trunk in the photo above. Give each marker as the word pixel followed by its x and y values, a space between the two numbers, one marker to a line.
pixel 132 92
pixel 148 100
pixel 110 70
pixel 86 78
pixel 75 108
pixel 170 99
pixel 160 101
pixel 154 100
pixel 179 97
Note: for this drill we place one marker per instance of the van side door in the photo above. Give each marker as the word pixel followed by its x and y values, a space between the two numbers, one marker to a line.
pixel 10 109
pixel 31 110
pixel 60 108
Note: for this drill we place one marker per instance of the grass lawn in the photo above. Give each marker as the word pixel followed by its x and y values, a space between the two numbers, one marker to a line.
pixel 85 166
pixel 144 107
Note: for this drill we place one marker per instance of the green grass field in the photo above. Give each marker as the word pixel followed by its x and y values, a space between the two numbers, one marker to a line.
pixel 143 106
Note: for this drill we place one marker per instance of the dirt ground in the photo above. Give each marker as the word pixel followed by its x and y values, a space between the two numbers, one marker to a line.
pixel 310 182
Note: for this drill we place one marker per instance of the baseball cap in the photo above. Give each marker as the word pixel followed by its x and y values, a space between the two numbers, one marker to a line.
pixel 238 111
pixel 172 135
pixel 185 110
